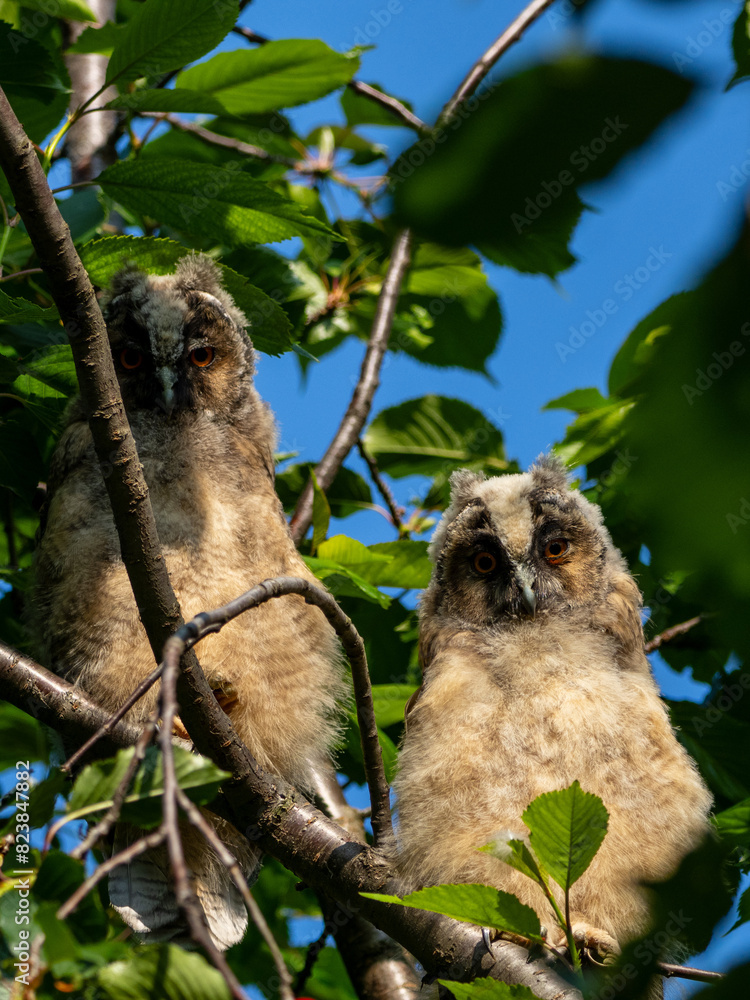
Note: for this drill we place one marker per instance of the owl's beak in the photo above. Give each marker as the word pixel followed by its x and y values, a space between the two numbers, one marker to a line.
pixel 524 581
pixel 167 377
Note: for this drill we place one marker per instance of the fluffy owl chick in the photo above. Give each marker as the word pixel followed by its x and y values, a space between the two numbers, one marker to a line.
pixel 205 440
pixel 535 676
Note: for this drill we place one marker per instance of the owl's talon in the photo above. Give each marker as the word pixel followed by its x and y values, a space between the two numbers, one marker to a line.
pixel 487 939
pixel 179 730
pixel 225 692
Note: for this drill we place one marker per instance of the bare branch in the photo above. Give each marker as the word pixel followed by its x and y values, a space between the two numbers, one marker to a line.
pixel 212 621
pixel 67 709
pixel 686 972
pixel 224 141
pixel 484 64
pixel 671 633
pixel 196 817
pixel 391 104
pixel 184 891
pixel 369 379
pixel 383 488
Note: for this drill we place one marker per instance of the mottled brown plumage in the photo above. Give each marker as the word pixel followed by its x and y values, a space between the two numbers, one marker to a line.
pixel 535 676
pixel 206 440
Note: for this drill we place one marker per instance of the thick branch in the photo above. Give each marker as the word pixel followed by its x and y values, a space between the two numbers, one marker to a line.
pixel 369 379
pixel 57 704
pixel 484 64
pixel 115 448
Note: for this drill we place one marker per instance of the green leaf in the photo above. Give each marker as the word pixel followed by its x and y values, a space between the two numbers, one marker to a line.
pixel 215 202
pixel 344 582
pixel 579 400
pixel 743 910
pixel 276 75
pixel 20 310
pixel 390 702
pixel 566 829
pixel 594 433
pixel 733 824
pixel 361 110
pixel 20 461
pixel 95 786
pixel 53 367
pixel 349 552
pixel 475 904
pixel 321 516
pixel 434 434
pixel 741 46
pixel 150 99
pixel 57 879
pixel 97 40
pixel 22 738
pixel 447 188
pixel 156 40
pixel 163 972
pixel 35 82
pixel 269 327
pixel 487 989
pixel 408 566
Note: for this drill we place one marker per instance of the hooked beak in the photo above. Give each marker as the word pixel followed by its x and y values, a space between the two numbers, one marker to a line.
pixel 166 399
pixel 525 580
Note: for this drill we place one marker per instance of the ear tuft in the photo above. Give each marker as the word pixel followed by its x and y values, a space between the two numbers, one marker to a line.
pixel 464 483
pixel 550 473
pixel 197 272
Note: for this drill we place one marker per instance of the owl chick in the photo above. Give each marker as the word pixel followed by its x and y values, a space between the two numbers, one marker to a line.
pixel 205 439
pixel 535 675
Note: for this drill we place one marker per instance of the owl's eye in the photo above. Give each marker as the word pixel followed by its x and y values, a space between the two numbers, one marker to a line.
pixel 131 358
pixel 555 549
pixel 484 562
pixel 202 357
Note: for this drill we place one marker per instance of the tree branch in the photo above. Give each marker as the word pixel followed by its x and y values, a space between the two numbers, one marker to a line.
pixel 390 104
pixel 671 633
pixel 484 64
pixel 369 379
pixel 383 488
pixel 66 709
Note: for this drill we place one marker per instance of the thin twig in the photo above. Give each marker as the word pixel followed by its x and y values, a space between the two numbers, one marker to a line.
pixel 369 379
pixel 484 64
pixel 184 891
pixel 123 857
pixel 213 621
pixel 224 141
pixel 671 633
pixel 105 824
pixel 384 490
pixel 686 972
pixel 112 721
pixel 21 274
pixel 390 104
pixel 250 36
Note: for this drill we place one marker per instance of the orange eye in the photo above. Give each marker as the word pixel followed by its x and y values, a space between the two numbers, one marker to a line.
pixel 131 358
pixel 484 562
pixel 202 356
pixel 555 550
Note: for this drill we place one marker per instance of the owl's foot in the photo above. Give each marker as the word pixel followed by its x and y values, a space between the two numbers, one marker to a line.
pixel 595 943
pixel 224 691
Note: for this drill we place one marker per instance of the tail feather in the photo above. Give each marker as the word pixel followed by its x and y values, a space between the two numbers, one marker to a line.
pixel 143 894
